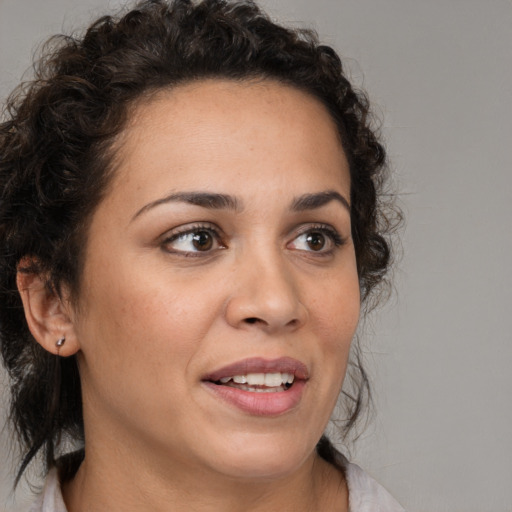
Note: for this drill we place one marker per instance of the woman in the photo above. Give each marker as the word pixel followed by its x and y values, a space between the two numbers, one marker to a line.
pixel 190 224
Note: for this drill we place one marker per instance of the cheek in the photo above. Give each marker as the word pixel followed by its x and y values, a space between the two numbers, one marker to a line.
pixel 145 317
pixel 139 336
pixel 335 319
pixel 337 308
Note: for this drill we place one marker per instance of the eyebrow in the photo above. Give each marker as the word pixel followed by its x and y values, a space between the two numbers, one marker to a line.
pixel 216 201
pixel 208 200
pixel 314 201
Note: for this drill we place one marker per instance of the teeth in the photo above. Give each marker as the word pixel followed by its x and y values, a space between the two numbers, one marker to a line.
pixel 256 379
pixel 270 380
pixel 273 379
pixel 260 390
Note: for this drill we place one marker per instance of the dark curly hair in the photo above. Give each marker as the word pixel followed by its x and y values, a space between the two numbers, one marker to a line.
pixel 56 142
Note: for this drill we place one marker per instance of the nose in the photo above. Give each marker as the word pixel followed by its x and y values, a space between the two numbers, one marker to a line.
pixel 266 296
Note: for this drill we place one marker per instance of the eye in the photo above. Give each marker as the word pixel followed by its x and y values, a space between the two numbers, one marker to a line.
pixel 320 239
pixel 195 239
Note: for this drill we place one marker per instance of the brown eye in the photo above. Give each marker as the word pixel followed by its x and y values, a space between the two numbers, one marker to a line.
pixel 195 240
pixel 322 239
pixel 315 241
pixel 202 240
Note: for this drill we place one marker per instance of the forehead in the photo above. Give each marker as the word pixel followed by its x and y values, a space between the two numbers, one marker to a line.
pixel 215 130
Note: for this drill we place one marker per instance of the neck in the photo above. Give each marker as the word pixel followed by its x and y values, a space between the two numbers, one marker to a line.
pixel 114 481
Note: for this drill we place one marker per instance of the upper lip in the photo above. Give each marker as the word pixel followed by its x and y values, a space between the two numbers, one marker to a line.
pixel 260 365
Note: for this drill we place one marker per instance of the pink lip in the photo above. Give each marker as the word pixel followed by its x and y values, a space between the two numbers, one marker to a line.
pixel 260 404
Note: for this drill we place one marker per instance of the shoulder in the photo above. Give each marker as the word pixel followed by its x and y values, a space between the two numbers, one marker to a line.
pixel 365 494
pixel 50 499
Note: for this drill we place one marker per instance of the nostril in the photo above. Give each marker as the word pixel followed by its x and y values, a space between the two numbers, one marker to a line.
pixel 251 320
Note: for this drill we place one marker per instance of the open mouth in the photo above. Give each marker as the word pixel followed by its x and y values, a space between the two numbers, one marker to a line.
pixel 259 386
pixel 259 382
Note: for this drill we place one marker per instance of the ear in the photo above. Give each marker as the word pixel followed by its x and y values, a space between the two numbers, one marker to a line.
pixel 49 317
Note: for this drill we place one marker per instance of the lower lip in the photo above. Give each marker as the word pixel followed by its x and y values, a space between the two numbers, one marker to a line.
pixel 260 404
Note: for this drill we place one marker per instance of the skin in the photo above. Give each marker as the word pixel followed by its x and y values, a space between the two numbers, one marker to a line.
pixel 155 314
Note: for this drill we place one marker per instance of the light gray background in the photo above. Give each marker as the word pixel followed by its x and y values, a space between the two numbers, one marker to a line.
pixel 440 73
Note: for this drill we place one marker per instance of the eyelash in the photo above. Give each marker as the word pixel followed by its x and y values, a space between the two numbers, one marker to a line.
pixel 327 230
pixel 188 230
pixel 324 229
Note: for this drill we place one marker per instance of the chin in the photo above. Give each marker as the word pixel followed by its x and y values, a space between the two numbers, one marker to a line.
pixel 264 459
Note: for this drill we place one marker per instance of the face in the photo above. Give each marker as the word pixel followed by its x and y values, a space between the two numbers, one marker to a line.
pixel 220 292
